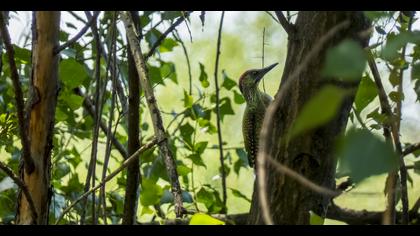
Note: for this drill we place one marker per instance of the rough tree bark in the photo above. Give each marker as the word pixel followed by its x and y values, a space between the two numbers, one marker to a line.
pixel 310 154
pixel 40 116
pixel 134 141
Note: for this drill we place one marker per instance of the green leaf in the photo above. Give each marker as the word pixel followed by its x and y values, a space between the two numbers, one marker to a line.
pixel 366 92
pixel 415 71
pixel 196 159
pixel 155 75
pixel 200 147
pixel 346 61
pixel 22 55
pixel 167 45
pixel 362 154
pixel 318 110
pixel 72 73
pixel 242 161
pixel 203 219
pixel 170 15
pixel 396 41
pixel 396 96
pixel 225 108
pixel 203 77
pixel 167 70
pixel 416 167
pixel 315 219
pixel 61 170
pixel 186 132
pixel 238 194
pixel 394 77
pixel 238 98
pixel 183 170
pixel 188 100
pixel 150 193
pixel 73 101
pixel 228 83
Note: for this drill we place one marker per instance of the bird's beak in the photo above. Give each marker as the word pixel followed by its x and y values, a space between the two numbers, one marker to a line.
pixel 264 71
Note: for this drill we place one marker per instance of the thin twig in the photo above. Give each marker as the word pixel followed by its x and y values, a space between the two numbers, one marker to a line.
pixel 111 176
pixel 287 26
pixel 403 170
pixel 78 35
pixel 187 58
pixel 26 154
pixel 77 17
pixel 219 130
pixel 271 15
pixel 302 179
pixel 154 112
pixel 410 149
pixel 166 33
pixel 389 213
pixel 266 130
pixel 91 176
pixel 113 78
pixel 22 186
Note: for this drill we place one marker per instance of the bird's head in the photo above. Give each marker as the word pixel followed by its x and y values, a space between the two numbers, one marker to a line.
pixel 249 80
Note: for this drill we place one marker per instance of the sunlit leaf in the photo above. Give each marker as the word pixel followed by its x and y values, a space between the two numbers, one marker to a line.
pixel 315 219
pixel 150 193
pixel 72 73
pixel 203 77
pixel 366 92
pixel 203 219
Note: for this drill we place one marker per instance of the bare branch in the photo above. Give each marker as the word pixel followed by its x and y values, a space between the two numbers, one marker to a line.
pixel 302 179
pixel 112 175
pixel 26 154
pixel 266 130
pixel 187 58
pixel 219 130
pixel 165 34
pixel 22 186
pixel 410 149
pixel 154 112
pixel 397 142
pixel 78 35
pixel 287 26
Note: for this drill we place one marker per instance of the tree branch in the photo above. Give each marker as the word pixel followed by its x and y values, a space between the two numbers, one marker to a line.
pixel 26 154
pixel 410 149
pixel 348 216
pixel 112 175
pixel 22 186
pixel 154 112
pixel 219 130
pixel 165 34
pixel 287 26
pixel 78 35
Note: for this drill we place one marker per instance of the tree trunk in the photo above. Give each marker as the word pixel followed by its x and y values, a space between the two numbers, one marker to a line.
pixel 310 154
pixel 133 170
pixel 41 112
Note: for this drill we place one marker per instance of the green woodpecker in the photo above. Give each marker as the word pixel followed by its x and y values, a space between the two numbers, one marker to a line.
pixel 256 104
